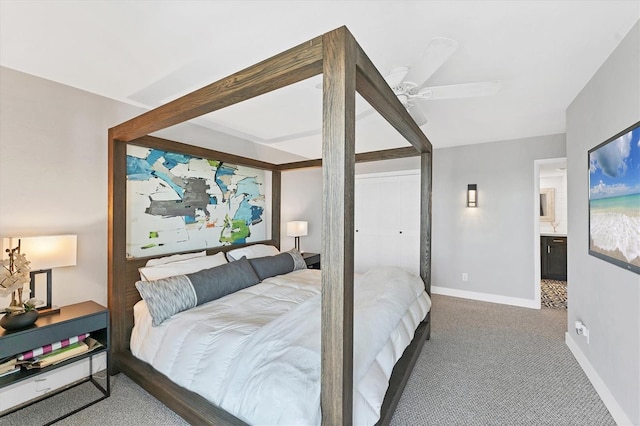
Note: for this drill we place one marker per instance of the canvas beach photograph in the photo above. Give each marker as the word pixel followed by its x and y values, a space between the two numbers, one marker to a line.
pixel 614 199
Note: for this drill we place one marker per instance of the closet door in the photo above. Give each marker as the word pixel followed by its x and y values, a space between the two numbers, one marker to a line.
pixel 387 221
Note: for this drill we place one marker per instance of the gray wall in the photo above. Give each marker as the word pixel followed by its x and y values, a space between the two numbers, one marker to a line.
pixel 605 297
pixel 302 200
pixel 53 171
pixel 493 243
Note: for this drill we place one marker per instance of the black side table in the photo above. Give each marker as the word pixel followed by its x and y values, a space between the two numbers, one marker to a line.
pixel 312 260
pixel 72 320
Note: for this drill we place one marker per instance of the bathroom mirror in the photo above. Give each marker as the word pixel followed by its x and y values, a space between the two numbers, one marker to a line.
pixel 547 205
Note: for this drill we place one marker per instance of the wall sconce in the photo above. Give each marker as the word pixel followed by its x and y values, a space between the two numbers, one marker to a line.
pixel 46 253
pixel 472 195
pixel 297 229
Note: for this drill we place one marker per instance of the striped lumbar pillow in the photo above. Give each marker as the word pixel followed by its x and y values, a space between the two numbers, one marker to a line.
pixel 168 296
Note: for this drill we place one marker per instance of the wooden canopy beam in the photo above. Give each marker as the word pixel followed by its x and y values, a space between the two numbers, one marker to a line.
pixel 363 157
pixel 288 67
pixel 169 145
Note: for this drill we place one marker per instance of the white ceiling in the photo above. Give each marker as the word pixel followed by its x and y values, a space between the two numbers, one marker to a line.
pixel 149 52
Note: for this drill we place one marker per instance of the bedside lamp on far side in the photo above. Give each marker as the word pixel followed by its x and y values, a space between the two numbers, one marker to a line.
pixel 46 253
pixel 297 229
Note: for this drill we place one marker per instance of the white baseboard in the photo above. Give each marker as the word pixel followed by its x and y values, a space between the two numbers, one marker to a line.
pixel 607 398
pixel 485 297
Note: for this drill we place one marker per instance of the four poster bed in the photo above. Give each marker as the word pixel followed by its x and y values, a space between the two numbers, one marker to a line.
pixel 345 68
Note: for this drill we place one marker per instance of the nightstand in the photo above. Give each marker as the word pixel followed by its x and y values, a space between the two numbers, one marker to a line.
pixel 72 320
pixel 312 260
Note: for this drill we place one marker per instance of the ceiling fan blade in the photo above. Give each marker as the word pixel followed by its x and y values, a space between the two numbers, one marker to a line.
pixel 313 132
pixel 417 114
pixel 464 90
pixel 437 52
pixel 396 76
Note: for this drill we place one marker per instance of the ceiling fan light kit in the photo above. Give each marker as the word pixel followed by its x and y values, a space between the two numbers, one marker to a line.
pixel 409 93
pixel 402 80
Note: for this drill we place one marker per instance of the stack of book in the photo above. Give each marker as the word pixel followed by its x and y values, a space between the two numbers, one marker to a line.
pixel 57 355
pixel 51 347
pixel 8 366
pixel 49 354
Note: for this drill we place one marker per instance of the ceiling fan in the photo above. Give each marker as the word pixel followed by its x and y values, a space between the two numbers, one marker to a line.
pixel 402 81
pixel 409 83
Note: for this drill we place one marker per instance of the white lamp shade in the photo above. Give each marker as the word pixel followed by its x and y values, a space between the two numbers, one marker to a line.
pixel 54 251
pixel 297 228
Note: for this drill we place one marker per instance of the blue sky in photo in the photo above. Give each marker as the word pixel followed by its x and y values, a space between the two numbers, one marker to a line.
pixel 614 169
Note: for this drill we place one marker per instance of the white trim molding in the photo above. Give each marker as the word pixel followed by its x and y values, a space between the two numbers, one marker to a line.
pixel 606 396
pixel 486 297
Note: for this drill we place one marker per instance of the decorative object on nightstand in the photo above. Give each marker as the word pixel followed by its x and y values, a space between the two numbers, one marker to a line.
pixel 18 320
pixel 297 229
pixel 46 253
pixel 13 275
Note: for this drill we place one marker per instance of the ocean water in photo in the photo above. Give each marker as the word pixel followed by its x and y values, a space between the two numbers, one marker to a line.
pixel 615 225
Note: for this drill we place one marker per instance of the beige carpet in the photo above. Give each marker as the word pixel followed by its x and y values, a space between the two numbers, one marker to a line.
pixel 486 364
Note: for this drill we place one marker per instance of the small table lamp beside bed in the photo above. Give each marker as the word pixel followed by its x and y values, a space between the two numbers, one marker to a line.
pixel 245 335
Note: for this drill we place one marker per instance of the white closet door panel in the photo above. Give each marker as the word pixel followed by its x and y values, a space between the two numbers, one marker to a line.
pixel 387 222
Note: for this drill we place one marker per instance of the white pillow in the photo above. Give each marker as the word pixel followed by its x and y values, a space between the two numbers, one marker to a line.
pixel 175 258
pixel 189 266
pixel 256 250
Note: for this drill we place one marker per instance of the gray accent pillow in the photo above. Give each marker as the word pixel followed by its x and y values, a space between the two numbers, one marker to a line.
pixel 214 283
pixel 168 296
pixel 283 263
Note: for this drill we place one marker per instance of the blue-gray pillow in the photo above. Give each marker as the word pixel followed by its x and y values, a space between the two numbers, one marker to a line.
pixel 168 296
pixel 283 263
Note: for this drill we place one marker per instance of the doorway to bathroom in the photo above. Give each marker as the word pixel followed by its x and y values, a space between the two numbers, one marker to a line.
pixel 551 233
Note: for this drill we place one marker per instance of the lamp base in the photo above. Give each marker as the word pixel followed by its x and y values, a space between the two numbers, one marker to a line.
pixel 48 311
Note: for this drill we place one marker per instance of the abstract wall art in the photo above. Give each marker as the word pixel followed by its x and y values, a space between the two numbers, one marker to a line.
pixel 178 202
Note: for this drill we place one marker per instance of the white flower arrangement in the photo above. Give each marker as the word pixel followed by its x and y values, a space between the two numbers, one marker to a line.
pixel 14 274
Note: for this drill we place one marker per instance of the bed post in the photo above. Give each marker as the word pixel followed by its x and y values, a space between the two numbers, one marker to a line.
pixel 116 245
pixel 276 196
pixel 426 173
pixel 338 170
pixel 425 219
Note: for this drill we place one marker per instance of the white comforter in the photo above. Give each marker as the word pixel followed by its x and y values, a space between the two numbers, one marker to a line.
pixel 256 353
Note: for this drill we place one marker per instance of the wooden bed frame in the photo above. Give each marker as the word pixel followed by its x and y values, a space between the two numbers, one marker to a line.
pixel 346 68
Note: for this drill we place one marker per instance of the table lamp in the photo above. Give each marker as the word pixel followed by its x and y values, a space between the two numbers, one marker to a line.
pixel 46 253
pixel 297 229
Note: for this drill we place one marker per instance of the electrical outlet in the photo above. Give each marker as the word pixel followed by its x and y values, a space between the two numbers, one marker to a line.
pixel 582 330
pixel 465 277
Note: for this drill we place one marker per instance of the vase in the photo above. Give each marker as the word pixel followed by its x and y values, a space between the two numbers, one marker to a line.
pixel 18 321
